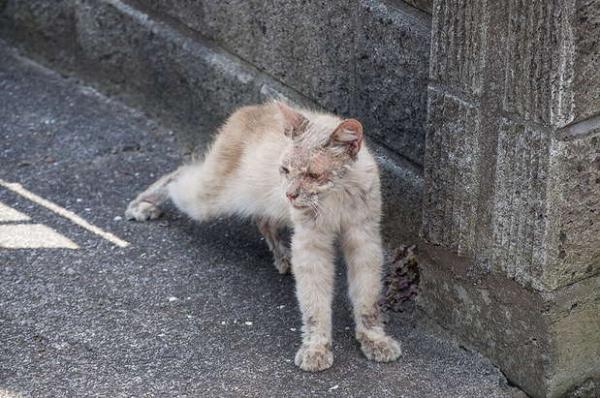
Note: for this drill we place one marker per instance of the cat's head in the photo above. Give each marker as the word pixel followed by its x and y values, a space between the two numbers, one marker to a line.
pixel 318 158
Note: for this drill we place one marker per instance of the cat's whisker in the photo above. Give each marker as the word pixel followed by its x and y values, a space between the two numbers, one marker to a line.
pixel 316 209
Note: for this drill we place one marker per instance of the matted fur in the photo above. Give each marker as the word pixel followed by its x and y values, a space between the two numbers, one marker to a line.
pixel 311 171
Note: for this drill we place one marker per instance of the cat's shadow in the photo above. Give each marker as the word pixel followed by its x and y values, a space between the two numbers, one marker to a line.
pixel 237 239
pixel 240 242
pixel 242 246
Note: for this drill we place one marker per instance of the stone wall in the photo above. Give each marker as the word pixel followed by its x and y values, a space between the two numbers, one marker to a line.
pixel 512 193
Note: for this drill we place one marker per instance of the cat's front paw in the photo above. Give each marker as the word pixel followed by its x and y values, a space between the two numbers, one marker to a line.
pixel 142 211
pixel 379 347
pixel 283 265
pixel 314 357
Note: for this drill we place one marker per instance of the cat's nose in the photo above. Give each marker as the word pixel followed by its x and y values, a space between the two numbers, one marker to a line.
pixel 291 195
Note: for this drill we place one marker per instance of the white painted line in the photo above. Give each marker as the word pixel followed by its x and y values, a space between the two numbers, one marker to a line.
pixel 31 236
pixel 15 187
pixel 8 214
pixel 9 394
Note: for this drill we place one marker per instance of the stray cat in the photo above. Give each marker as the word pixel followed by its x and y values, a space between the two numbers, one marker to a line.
pixel 311 171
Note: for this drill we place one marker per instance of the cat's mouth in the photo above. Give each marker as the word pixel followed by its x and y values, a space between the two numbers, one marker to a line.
pixel 299 207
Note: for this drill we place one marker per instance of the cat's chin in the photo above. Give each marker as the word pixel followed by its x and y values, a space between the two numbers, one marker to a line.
pixel 300 207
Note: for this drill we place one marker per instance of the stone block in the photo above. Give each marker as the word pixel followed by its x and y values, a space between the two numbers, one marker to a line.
pixel 573 236
pixel 546 215
pixel 539 66
pixel 392 45
pixel 458 45
pixel 587 62
pixel 511 213
pixel 541 233
pixel 452 178
pixel 520 208
pixel 545 209
pixel 552 65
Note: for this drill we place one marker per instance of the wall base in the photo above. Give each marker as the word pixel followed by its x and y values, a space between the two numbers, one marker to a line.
pixel 547 343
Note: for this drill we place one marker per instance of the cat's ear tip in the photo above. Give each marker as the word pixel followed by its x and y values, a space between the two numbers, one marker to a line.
pixel 284 107
pixel 294 121
pixel 350 134
pixel 353 124
pixel 282 104
pixel 351 128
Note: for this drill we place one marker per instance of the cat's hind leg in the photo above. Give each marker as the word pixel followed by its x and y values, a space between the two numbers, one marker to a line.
pixel 281 253
pixel 146 205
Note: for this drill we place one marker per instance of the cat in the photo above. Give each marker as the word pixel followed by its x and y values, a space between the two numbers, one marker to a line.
pixel 311 171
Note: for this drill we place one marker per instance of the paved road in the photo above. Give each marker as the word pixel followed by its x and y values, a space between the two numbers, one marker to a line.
pixel 185 310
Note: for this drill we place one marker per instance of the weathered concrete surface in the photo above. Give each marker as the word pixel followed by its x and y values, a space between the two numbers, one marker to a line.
pixel 546 206
pixel 546 343
pixel 306 45
pixel 167 315
pixel 512 188
pixel 392 46
pixel 48 28
pixel 556 81
pixel 424 5
pixel 170 74
pixel 362 58
pixel 401 182
pixel 493 315
pixel 587 63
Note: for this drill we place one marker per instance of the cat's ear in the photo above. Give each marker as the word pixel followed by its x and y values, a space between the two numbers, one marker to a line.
pixel 348 134
pixel 295 122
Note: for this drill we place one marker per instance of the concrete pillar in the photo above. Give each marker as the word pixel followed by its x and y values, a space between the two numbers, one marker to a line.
pixel 511 214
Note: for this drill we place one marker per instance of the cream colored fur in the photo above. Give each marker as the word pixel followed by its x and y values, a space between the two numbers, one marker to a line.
pixel 310 171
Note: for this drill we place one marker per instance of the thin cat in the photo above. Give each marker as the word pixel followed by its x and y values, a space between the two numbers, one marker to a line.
pixel 310 171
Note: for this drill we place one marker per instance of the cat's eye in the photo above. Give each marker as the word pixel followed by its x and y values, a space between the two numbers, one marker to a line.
pixel 313 176
pixel 284 170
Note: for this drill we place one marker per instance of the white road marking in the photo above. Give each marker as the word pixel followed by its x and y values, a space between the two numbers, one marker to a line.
pixel 61 211
pixel 8 214
pixel 32 236
pixel 9 394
